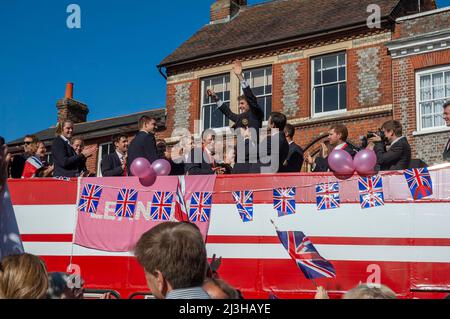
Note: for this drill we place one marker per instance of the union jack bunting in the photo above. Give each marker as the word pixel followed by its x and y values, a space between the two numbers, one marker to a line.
pixel 180 211
pixel 284 201
pixel 371 191
pixel 89 198
pixel 161 206
pixel 419 182
pixel 327 196
pixel 303 252
pixel 244 203
pixel 126 203
pixel 200 208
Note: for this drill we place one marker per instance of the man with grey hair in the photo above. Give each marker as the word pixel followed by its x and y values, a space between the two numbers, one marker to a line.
pixel 368 292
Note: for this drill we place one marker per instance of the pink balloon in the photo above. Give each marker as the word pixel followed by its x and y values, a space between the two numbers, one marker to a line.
pixel 365 162
pixel 341 162
pixel 149 179
pixel 140 167
pixel 162 167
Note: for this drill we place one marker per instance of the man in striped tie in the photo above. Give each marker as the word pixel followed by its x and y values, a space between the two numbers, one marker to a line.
pixel 447 120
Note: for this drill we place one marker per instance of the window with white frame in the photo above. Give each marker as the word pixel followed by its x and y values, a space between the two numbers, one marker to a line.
pixel 329 83
pixel 260 81
pixel 211 116
pixel 433 90
pixel 104 149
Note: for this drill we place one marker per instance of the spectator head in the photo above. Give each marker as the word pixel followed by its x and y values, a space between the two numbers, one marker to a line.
pixel 78 145
pixel 230 155
pixel 447 113
pixel 173 256
pixel 219 289
pixel 187 144
pixel 29 144
pixel 41 149
pixel 338 134
pixel 147 124
pixel 366 292
pixel 120 142
pixel 58 286
pixel 65 128
pixel 392 130
pixel 289 131
pixel 277 121
pixel 243 104
pixel 23 277
pixel 209 140
pixel 162 149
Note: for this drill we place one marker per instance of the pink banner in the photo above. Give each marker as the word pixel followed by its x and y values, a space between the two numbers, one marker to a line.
pixel 114 212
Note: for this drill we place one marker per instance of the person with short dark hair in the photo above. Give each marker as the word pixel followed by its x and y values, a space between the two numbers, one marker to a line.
pixel 115 164
pixel 144 144
pixel 294 160
pixel 66 161
pixel 173 256
pixel 446 154
pixel 201 160
pixel 398 157
pixel 18 161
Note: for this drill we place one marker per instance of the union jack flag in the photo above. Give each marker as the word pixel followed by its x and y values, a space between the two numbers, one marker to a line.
pixel 327 196
pixel 89 198
pixel 180 211
pixel 244 203
pixel 161 206
pixel 419 182
pixel 284 201
pixel 200 208
pixel 371 191
pixel 126 203
pixel 303 252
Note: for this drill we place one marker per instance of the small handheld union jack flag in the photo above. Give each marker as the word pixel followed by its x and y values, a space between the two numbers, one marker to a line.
pixel 327 196
pixel 200 208
pixel 419 182
pixel 303 252
pixel 371 191
pixel 244 203
pixel 89 198
pixel 126 203
pixel 161 206
pixel 180 212
pixel 284 201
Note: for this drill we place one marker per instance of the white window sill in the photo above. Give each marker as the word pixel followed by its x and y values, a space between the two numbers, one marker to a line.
pixel 326 114
pixel 432 131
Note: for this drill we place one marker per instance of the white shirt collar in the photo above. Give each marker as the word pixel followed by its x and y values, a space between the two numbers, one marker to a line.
pixel 341 146
pixel 121 156
pixel 65 139
pixel 291 142
pixel 398 139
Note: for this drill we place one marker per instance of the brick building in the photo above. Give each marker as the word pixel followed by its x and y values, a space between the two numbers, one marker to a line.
pixel 316 61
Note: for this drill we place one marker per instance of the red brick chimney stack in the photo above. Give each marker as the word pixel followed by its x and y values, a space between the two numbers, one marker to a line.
pixel 70 109
pixel 225 10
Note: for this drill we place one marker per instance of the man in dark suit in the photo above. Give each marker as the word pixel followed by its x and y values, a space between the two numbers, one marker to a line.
pixel 144 144
pixel 201 160
pixel 115 164
pixel 18 161
pixel 294 160
pixel 274 149
pixel 446 154
pixel 66 161
pixel 251 114
pixel 398 157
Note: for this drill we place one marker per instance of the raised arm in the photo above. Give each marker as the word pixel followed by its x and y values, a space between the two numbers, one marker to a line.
pixel 251 98
pixel 223 107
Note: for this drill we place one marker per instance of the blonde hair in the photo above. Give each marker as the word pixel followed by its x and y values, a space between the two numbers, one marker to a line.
pixel 367 292
pixel 23 277
pixel 60 126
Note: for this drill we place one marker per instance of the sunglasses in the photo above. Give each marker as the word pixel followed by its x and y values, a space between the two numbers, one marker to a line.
pixel 28 143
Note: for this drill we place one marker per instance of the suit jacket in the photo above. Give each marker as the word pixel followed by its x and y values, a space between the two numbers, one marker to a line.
pixel 247 162
pixel 254 116
pixel 447 152
pixel 18 164
pixel 294 159
pixel 67 162
pixel 143 145
pixel 281 154
pixel 111 165
pixel 197 166
pixel 397 158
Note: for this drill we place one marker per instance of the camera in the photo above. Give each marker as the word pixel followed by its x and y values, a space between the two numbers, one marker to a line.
pixel 365 139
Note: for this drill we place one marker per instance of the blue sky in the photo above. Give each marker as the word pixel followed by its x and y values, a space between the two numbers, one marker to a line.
pixel 112 59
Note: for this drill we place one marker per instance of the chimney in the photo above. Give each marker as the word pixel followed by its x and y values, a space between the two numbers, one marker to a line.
pixel 70 109
pixel 225 10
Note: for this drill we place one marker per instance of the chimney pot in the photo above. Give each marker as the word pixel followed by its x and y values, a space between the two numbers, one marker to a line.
pixel 69 91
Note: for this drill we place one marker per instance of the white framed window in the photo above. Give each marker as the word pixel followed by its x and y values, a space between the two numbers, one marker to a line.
pixel 260 81
pixel 211 117
pixel 432 91
pixel 104 149
pixel 329 84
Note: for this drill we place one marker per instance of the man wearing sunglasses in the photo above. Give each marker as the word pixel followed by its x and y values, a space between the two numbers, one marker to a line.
pixel 18 161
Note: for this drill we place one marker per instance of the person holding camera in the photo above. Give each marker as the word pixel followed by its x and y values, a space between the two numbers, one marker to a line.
pixel 398 155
